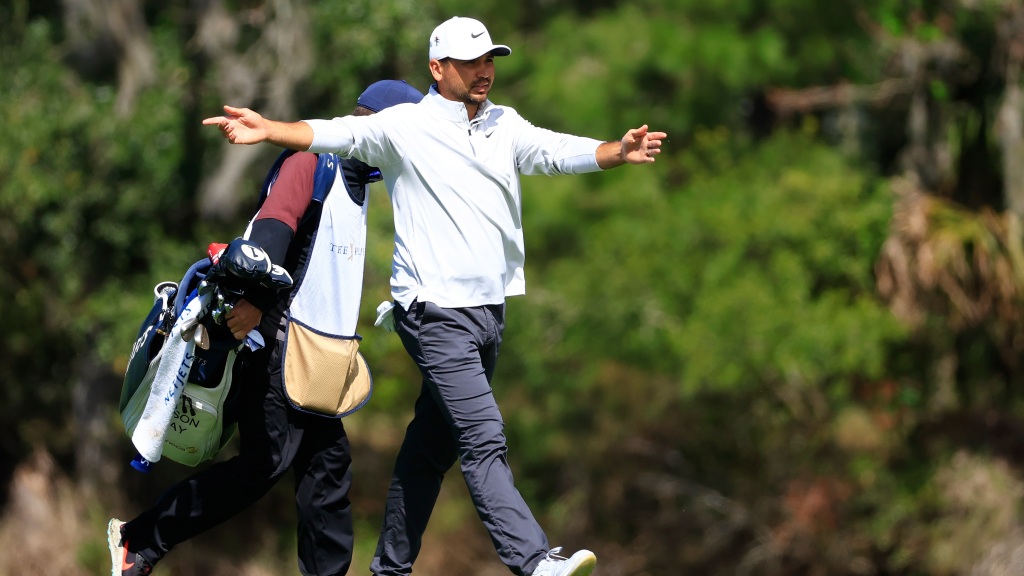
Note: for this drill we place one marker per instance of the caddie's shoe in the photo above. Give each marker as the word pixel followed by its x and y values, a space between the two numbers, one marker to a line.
pixel 123 562
pixel 579 564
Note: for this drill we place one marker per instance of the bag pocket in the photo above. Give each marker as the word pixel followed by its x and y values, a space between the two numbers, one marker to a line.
pixel 325 375
pixel 197 431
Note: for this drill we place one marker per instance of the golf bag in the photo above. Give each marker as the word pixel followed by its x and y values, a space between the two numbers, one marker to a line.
pixel 176 398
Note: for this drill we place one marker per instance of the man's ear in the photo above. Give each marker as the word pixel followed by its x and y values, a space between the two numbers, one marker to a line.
pixel 436 68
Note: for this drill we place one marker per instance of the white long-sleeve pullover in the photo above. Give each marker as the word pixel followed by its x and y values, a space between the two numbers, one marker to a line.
pixel 454 184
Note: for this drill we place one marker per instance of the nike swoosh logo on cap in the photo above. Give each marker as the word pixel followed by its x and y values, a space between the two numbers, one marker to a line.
pixel 477 35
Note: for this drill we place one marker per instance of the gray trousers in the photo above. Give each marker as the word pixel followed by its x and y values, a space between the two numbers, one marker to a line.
pixel 456 418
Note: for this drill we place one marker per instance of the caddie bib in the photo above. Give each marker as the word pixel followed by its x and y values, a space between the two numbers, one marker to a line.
pixel 323 371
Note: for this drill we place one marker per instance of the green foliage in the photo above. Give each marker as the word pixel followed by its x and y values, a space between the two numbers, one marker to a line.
pixel 361 42
pixel 954 520
pixel 681 65
pixel 701 351
pixel 726 321
pixel 782 263
pixel 87 204
pixel 759 275
pixel 41 240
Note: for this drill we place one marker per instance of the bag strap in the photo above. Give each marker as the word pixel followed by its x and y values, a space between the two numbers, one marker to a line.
pixel 193 275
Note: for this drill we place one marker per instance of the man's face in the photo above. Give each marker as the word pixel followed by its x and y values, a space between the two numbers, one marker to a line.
pixel 466 81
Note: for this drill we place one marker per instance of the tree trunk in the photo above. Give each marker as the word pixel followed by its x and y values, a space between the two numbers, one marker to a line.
pixel 267 71
pixel 1010 116
pixel 105 35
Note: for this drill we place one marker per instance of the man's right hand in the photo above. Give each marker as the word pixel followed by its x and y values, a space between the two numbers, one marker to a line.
pixel 243 126
pixel 240 125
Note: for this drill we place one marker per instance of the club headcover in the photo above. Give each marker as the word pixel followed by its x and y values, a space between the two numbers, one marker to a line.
pixel 245 260
pixel 214 250
pixel 279 278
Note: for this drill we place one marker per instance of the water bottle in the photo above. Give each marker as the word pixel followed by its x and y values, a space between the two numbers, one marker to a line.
pixel 141 464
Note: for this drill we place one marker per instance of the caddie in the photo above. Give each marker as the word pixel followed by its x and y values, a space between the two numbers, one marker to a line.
pixel 286 421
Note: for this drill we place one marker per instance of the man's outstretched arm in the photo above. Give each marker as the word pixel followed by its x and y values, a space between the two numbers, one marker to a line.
pixel 244 126
pixel 638 146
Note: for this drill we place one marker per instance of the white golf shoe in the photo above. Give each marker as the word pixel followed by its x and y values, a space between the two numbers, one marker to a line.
pixel 579 564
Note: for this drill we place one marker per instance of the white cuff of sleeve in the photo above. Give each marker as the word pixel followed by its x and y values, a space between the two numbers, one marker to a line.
pixel 583 158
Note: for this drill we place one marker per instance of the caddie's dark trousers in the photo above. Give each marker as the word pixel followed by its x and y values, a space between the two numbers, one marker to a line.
pixel 456 417
pixel 273 438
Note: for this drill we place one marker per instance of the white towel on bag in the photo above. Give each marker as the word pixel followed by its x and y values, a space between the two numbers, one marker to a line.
pixel 169 381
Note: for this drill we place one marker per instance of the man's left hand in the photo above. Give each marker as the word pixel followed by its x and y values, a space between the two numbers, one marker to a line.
pixel 640 146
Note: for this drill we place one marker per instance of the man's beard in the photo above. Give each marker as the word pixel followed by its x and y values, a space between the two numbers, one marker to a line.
pixel 466 96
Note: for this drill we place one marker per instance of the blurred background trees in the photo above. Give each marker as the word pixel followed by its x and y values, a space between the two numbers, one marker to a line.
pixel 790 347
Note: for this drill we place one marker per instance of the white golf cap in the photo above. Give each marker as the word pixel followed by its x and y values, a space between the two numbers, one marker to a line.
pixel 463 39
